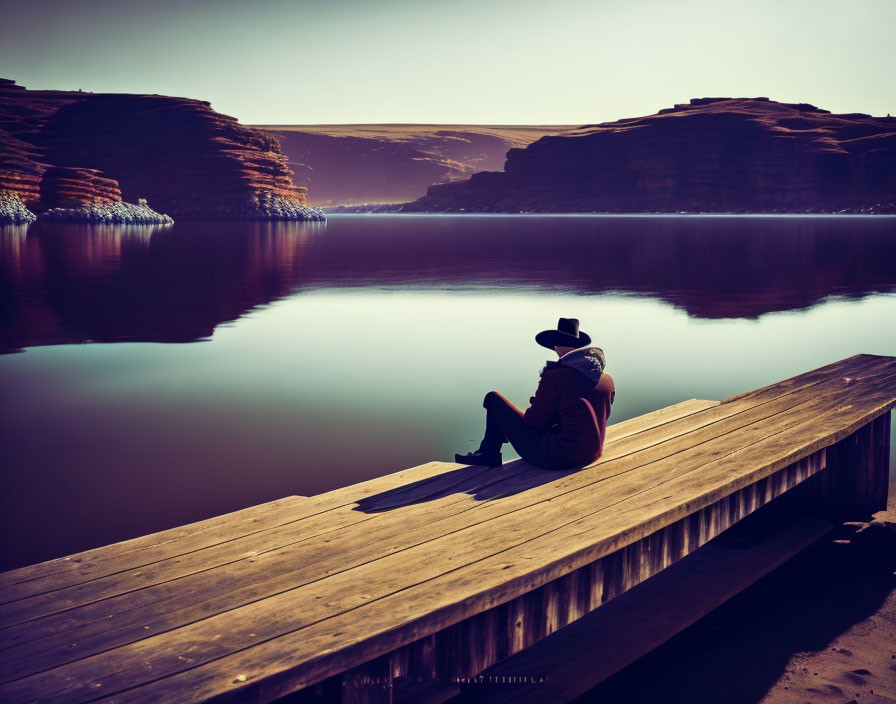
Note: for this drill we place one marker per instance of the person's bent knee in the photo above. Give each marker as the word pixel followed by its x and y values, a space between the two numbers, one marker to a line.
pixel 493 398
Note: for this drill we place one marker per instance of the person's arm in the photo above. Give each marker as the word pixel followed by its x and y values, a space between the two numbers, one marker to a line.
pixel 543 411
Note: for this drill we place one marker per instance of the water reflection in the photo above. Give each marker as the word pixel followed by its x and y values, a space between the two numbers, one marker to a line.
pixel 322 386
pixel 64 284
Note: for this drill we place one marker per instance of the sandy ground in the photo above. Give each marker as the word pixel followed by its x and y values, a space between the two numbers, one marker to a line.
pixel 819 630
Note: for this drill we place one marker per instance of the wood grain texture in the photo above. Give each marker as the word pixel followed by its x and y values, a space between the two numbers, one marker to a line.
pixel 73 569
pixel 148 550
pixel 257 546
pixel 146 613
pixel 34 644
pixel 437 569
pixel 571 661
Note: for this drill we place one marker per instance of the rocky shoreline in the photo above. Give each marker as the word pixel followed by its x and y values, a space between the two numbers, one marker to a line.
pixel 119 213
pixel 14 212
pixel 266 206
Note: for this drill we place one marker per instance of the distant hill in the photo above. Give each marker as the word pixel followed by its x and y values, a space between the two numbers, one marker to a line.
pixel 709 155
pixel 74 149
pixel 351 164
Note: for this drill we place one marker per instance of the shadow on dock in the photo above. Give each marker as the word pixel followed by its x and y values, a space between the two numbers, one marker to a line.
pixel 482 483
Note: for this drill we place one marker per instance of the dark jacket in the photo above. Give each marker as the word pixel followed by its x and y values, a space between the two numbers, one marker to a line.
pixel 573 400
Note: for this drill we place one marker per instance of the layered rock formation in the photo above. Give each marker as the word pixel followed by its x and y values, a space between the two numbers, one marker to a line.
pixel 354 164
pixel 710 155
pixel 75 150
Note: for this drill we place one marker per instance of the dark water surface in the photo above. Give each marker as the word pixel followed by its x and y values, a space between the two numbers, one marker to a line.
pixel 258 360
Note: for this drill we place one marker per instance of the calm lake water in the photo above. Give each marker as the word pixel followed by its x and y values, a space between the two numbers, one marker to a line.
pixel 258 360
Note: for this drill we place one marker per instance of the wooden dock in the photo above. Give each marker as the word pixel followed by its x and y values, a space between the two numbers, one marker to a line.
pixel 420 585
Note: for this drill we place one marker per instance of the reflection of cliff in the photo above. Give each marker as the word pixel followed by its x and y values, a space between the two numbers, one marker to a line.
pixel 711 155
pixel 65 284
pixel 68 148
pixel 348 164
pixel 712 267
pixel 72 284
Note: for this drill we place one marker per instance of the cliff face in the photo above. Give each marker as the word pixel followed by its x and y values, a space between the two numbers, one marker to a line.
pixel 69 149
pixel 25 171
pixel 711 155
pixel 353 164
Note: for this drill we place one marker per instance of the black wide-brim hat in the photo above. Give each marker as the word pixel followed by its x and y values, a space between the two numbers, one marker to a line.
pixel 567 334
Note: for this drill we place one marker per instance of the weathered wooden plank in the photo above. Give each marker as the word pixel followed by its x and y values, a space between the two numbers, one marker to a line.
pixel 131 622
pixel 71 569
pixel 578 657
pixel 92 564
pixel 374 617
pixel 100 564
pixel 278 537
pixel 484 571
pixel 528 641
pixel 128 614
pixel 649 421
pixel 136 617
pixel 843 367
pixel 639 561
pixel 534 627
pixel 866 473
pixel 858 481
pixel 633 561
pixel 96 563
pixel 146 550
pixel 254 570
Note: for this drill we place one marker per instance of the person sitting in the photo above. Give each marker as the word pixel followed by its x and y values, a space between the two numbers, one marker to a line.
pixel 566 421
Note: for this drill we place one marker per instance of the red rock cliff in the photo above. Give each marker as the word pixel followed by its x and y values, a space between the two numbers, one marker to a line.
pixel 711 155
pixel 65 148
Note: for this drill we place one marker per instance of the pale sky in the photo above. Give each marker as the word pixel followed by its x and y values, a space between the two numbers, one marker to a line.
pixel 463 61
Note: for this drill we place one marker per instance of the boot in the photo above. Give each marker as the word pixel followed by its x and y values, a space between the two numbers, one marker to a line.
pixel 480 458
